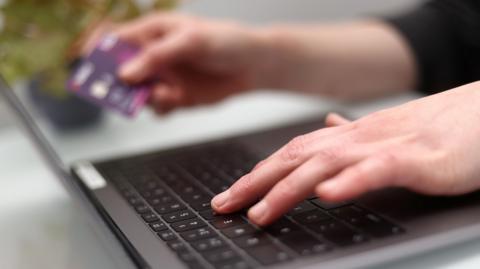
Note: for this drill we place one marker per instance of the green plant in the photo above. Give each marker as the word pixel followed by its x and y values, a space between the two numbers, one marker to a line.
pixel 41 37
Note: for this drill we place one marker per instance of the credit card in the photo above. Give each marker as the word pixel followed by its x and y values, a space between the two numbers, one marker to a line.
pixel 95 78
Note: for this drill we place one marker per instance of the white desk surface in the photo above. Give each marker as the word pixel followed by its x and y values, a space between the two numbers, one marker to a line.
pixel 39 224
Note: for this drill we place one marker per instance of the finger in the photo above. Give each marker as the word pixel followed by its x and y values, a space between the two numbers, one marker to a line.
pixel 146 29
pixel 256 183
pixel 166 98
pixel 297 186
pixel 146 65
pixel 90 37
pixel 371 174
pixel 333 119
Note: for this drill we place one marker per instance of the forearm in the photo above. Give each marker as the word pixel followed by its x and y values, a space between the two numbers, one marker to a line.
pixel 345 61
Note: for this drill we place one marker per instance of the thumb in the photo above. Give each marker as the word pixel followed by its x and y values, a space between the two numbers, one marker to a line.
pixel 163 52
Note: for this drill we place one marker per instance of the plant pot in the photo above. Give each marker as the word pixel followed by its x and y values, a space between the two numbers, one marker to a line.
pixel 66 113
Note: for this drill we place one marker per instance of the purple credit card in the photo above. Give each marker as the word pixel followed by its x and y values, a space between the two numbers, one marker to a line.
pixel 96 80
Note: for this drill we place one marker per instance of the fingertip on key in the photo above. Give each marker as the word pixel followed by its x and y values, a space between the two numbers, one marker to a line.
pixel 219 201
pixel 329 191
pixel 258 214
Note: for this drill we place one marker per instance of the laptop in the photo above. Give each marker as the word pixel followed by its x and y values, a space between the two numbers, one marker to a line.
pixel 152 209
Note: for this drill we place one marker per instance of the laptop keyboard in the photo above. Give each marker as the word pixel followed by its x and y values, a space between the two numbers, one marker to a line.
pixel 172 196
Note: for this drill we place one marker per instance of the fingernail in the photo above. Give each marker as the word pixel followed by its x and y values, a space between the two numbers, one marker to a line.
pixel 259 211
pixel 221 199
pixel 328 187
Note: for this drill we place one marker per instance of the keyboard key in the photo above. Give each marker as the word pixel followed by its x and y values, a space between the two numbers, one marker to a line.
pixel 177 245
pixel 158 226
pixel 220 256
pixel 167 235
pixel 219 187
pixel 135 200
pixel 142 208
pixel 187 190
pixel 179 186
pixel 169 178
pixel 196 265
pixel 376 226
pixel 196 198
pixel 161 170
pixel 150 217
pixel 227 221
pixel 209 214
pixel 252 240
pixel 178 216
pixel 268 254
pixel 147 194
pixel 282 227
pixel 311 216
pixel 302 207
pixel 337 233
pixel 127 192
pixel 198 234
pixel 150 193
pixel 169 208
pixel 190 259
pixel 187 256
pixel 240 230
pixel 304 244
pixel 201 205
pixel 349 213
pixel 208 244
pixel 189 224
pixel 233 264
pixel 161 200
pixel 328 205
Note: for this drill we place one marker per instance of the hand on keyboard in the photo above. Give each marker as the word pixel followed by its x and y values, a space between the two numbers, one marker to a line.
pixel 423 145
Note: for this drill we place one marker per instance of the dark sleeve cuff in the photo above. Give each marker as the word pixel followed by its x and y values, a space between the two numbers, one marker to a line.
pixel 429 33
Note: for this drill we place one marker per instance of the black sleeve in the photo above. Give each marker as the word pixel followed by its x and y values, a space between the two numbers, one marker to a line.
pixel 444 36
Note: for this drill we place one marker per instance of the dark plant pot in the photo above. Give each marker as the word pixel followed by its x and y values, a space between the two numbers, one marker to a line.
pixel 67 113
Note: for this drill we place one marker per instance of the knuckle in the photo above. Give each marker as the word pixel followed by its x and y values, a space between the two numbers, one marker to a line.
pixel 294 149
pixel 259 164
pixel 330 154
pixel 191 35
pixel 387 159
pixel 391 162
pixel 356 125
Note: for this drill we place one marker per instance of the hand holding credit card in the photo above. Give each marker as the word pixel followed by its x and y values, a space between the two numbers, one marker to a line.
pixel 95 78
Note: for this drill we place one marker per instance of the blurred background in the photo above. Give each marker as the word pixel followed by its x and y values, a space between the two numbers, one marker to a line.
pixel 39 41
